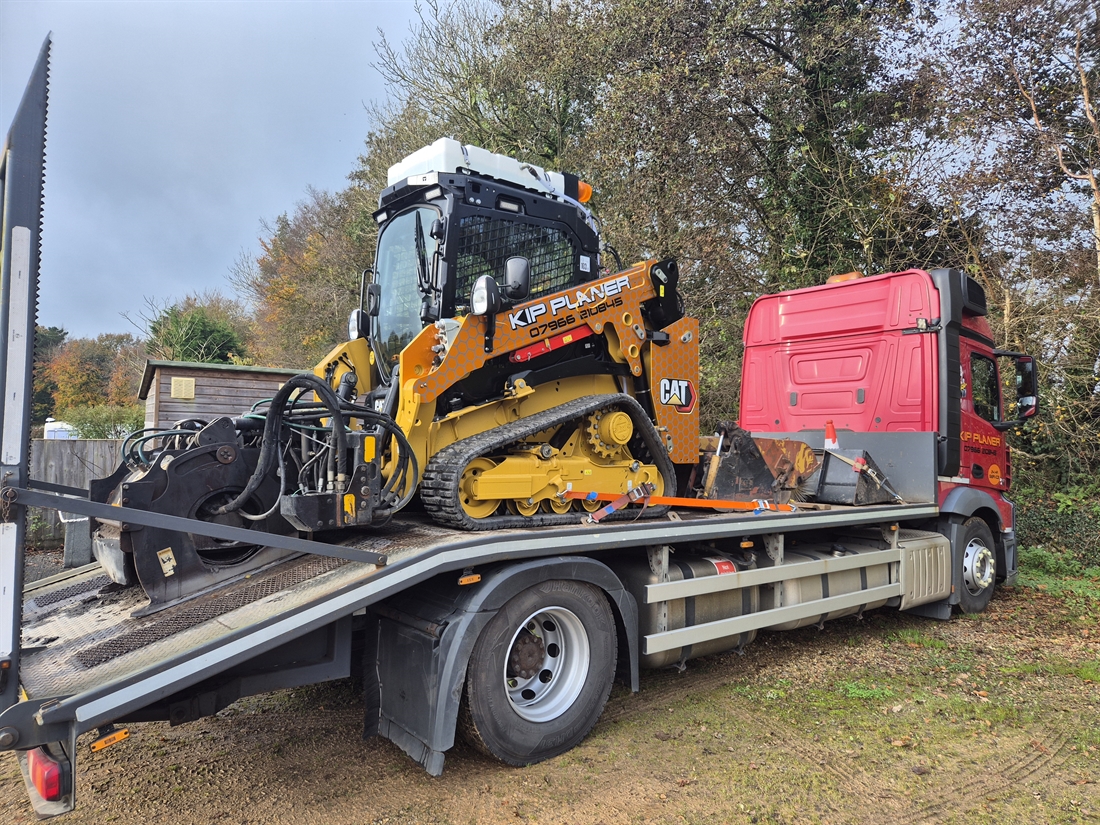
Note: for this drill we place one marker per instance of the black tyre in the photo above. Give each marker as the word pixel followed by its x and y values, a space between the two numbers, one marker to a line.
pixel 540 673
pixel 977 556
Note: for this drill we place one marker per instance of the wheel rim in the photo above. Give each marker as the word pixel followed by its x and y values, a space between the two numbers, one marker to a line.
pixel 523 507
pixel 591 506
pixel 556 505
pixel 476 507
pixel 978 567
pixel 547 664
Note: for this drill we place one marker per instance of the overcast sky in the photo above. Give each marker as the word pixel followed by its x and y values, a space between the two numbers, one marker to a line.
pixel 175 127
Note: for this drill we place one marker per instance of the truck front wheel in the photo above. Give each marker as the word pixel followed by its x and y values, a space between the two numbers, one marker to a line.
pixel 977 555
pixel 540 673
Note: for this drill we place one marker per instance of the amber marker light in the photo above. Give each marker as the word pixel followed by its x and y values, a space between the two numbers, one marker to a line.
pixel 469 577
pixel 847 276
pixel 584 191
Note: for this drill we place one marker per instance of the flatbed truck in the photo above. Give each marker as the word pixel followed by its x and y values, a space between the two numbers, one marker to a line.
pixel 514 635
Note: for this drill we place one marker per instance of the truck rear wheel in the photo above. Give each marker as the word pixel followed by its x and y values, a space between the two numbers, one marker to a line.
pixel 540 673
pixel 977 556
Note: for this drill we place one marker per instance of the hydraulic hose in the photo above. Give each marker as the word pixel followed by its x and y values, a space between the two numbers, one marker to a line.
pixel 270 443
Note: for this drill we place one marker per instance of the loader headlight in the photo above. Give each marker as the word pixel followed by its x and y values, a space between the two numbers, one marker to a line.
pixel 485 297
pixel 357 324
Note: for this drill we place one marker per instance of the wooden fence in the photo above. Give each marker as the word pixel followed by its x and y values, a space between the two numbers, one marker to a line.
pixel 73 462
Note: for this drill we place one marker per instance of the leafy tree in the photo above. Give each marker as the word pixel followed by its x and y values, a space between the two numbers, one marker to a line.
pixel 104 420
pixel 183 332
pixel 306 280
pixel 90 372
pixel 47 341
pixel 498 79
pixel 1023 81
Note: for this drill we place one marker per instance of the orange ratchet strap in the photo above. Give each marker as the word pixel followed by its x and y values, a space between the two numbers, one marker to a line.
pixel 619 501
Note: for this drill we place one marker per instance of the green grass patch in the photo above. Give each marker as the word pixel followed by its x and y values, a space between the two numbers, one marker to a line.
pixel 1088 671
pixel 1061 575
pixel 862 690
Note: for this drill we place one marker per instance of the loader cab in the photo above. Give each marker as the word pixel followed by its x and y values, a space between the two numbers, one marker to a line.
pixel 440 232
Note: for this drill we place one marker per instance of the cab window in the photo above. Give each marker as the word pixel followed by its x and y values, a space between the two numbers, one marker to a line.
pixel 984 388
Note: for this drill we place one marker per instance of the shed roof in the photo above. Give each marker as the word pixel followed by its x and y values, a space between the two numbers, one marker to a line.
pixel 151 368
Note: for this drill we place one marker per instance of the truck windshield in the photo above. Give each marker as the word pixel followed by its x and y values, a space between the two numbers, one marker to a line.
pixel 401 255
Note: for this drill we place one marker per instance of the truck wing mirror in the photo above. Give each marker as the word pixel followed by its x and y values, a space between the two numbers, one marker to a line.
pixel 1027 387
pixel 517 278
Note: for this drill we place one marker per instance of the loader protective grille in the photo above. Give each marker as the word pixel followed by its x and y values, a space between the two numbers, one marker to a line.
pixel 485 243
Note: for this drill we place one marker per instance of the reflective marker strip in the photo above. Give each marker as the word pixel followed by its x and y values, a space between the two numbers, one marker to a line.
pixel 110 739
pixel 13 446
pixel 8 601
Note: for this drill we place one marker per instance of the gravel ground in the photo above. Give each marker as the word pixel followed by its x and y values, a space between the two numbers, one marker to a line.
pixel 41 564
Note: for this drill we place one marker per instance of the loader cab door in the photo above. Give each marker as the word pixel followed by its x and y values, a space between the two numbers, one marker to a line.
pixel 984 456
pixel 403 265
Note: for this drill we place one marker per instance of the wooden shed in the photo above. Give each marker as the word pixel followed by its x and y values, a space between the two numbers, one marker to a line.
pixel 175 390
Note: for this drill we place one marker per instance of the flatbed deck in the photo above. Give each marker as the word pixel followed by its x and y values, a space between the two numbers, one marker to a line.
pixel 84 649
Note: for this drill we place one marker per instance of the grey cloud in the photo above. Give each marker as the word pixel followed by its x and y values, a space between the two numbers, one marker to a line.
pixel 175 128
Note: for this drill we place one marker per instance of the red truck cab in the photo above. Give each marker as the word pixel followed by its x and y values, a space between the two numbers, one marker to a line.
pixel 902 351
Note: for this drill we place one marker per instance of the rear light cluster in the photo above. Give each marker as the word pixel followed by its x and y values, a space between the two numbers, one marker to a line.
pixel 50 777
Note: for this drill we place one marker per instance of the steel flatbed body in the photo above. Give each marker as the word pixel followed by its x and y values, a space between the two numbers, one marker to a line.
pixel 88 661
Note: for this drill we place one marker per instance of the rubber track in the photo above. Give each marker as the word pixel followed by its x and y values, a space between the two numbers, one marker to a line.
pixel 439 487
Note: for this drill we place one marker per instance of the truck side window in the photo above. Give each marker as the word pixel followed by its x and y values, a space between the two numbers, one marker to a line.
pixel 985 388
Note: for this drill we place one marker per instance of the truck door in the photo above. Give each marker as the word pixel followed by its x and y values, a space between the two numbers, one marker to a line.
pixel 984 456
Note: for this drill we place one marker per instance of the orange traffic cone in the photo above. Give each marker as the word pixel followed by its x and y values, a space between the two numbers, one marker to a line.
pixel 830 436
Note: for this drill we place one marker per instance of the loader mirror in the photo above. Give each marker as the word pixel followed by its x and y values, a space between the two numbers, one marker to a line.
pixel 374 300
pixel 485 297
pixel 364 278
pixel 517 278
